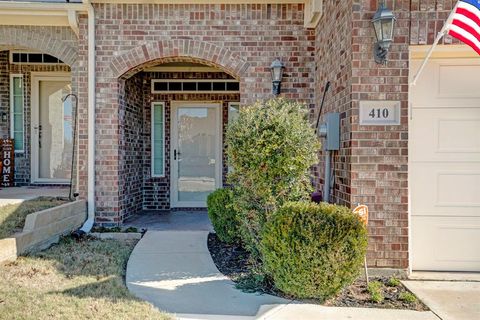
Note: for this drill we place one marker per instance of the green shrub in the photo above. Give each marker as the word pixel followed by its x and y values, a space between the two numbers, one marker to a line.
pixel 393 282
pixel 271 147
pixel 375 290
pixel 407 297
pixel 223 216
pixel 313 250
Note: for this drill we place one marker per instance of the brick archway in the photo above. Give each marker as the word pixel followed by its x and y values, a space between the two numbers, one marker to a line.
pixel 39 41
pixel 133 61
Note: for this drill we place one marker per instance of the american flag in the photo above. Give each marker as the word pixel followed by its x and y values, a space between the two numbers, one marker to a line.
pixel 465 25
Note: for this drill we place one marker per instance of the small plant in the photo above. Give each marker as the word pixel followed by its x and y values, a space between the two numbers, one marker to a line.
pixel 407 297
pixel 223 216
pixel 393 282
pixel 131 229
pixel 313 250
pixel 375 290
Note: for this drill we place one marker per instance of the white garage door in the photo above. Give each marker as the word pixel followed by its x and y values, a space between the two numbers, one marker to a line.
pixel 444 151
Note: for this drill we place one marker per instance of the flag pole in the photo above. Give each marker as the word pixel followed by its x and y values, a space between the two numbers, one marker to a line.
pixel 442 33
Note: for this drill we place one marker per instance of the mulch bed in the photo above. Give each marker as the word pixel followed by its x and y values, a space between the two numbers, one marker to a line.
pixel 233 261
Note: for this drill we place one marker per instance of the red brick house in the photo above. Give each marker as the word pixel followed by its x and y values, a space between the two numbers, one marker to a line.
pixel 157 81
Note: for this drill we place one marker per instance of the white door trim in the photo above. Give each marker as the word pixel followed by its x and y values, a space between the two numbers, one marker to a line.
pixel 174 106
pixel 34 122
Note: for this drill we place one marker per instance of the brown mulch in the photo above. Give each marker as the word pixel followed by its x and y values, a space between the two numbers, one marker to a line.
pixel 233 261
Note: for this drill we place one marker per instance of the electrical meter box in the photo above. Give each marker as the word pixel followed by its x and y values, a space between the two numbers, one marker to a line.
pixel 332 130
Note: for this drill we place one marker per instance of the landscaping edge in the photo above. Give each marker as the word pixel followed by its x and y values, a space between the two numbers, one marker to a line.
pixel 43 228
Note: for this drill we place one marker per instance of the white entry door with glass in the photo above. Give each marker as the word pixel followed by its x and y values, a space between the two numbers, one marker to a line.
pixel 195 152
pixel 51 128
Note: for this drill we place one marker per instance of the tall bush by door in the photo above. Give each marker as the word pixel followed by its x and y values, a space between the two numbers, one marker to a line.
pixel 271 147
pixel 313 250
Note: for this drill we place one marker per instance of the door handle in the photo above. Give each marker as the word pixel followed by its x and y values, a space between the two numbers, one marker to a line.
pixel 175 154
pixel 39 130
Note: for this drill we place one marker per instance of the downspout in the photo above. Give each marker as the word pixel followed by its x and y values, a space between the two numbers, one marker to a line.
pixel 87 226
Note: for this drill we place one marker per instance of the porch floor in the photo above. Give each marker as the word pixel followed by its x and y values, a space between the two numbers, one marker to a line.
pixel 19 194
pixel 180 220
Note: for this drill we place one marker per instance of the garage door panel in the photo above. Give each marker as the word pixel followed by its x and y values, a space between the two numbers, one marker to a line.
pixel 446 243
pixel 448 83
pixel 444 166
pixel 445 189
pixel 445 135
pixel 444 82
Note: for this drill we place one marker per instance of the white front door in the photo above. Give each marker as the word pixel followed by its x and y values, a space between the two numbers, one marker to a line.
pixel 444 168
pixel 195 151
pixel 51 128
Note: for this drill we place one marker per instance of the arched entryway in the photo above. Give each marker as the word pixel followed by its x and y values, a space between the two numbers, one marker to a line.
pixel 36 73
pixel 173 112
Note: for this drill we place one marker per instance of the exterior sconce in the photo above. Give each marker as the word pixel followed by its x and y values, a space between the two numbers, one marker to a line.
pixel 4 117
pixel 277 68
pixel 383 23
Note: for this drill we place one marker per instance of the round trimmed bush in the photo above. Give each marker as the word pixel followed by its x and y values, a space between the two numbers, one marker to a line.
pixel 223 216
pixel 313 250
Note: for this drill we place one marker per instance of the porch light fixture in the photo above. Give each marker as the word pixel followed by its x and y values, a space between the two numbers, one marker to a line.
pixel 383 23
pixel 277 68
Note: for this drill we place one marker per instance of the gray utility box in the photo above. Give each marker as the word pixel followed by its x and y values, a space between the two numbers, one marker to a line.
pixel 330 130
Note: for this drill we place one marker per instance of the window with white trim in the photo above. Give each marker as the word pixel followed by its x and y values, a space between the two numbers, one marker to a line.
pixel 158 139
pixel 233 111
pixel 17 116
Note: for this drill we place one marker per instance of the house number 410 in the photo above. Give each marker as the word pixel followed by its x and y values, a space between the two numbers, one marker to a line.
pixel 379 113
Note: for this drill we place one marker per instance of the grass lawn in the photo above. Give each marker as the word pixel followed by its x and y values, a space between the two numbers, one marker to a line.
pixel 12 216
pixel 72 280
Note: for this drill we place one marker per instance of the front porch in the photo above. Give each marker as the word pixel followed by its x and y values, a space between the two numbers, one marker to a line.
pixel 179 220
pixel 172 116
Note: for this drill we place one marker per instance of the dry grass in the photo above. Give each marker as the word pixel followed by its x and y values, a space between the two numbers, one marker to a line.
pixel 12 216
pixel 72 280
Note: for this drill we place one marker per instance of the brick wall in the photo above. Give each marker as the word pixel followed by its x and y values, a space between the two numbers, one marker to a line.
pixel 131 144
pixel 242 40
pixel 333 63
pixel 372 167
pixel 60 42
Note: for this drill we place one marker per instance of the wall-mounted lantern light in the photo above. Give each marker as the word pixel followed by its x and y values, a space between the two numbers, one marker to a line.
pixel 383 23
pixel 4 117
pixel 277 68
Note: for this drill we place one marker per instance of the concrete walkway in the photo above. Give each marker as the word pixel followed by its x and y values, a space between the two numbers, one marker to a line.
pixel 183 220
pixel 174 271
pixel 19 194
pixel 450 300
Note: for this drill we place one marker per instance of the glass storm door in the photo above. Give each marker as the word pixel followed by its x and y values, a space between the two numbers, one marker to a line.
pixel 52 130
pixel 195 153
